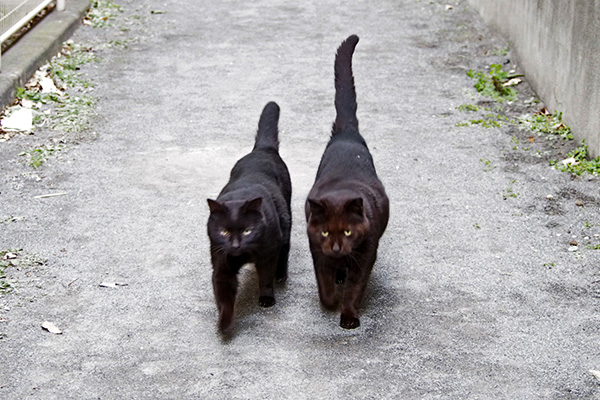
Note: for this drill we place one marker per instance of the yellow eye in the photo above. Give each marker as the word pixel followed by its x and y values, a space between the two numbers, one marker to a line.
pixel 247 232
pixel 324 233
pixel 224 232
pixel 348 232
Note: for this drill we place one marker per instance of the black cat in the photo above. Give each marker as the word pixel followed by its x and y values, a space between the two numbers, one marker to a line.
pixel 250 221
pixel 347 209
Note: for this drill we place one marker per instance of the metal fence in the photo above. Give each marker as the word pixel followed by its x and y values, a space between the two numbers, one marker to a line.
pixel 14 14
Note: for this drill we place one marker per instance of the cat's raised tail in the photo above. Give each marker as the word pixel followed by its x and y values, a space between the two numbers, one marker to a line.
pixel 267 136
pixel 345 93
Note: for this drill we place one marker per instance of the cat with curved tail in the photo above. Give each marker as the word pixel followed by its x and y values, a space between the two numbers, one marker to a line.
pixel 250 221
pixel 347 209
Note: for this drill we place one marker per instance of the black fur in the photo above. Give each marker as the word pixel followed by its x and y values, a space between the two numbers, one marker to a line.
pixel 250 221
pixel 347 209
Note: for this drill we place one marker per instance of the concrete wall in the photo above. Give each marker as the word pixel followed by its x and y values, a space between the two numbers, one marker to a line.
pixel 557 44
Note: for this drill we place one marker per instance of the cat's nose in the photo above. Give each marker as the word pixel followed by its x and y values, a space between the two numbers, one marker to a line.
pixel 336 248
pixel 235 244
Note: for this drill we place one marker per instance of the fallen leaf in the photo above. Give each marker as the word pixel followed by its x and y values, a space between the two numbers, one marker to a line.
pixel 544 111
pixel 27 103
pixel 560 126
pixel 449 7
pixel 110 284
pixel 531 139
pixel 570 161
pixel 50 327
pixel 512 82
pixel 48 85
pixel 45 196
pixel 20 120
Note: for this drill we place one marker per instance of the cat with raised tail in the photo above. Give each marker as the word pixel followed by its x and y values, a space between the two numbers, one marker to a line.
pixel 250 221
pixel 347 209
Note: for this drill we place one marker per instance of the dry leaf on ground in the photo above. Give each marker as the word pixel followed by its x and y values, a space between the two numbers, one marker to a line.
pixel 51 327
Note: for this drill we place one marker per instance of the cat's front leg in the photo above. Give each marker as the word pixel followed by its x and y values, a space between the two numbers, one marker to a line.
pixel 357 279
pixel 266 270
pixel 340 276
pixel 225 284
pixel 325 274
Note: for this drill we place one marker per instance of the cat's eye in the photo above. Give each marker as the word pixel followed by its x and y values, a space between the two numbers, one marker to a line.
pixel 348 232
pixel 224 232
pixel 324 233
pixel 246 232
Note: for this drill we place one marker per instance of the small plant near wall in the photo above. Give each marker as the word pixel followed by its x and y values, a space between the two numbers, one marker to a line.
pixel 496 83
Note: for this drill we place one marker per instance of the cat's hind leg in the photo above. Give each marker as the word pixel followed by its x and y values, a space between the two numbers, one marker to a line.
pixel 282 263
pixel 284 252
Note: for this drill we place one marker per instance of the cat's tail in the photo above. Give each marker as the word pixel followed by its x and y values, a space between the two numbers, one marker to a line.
pixel 345 93
pixel 267 136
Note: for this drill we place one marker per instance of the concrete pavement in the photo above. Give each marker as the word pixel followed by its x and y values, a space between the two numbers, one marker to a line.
pixel 475 294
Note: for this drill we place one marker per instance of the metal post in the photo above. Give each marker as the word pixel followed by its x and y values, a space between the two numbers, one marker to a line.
pixel 61 5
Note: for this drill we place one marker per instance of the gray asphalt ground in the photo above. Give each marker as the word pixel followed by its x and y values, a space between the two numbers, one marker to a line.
pixel 475 294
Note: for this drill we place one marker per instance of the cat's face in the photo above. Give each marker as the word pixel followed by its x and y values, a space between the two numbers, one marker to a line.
pixel 337 226
pixel 234 226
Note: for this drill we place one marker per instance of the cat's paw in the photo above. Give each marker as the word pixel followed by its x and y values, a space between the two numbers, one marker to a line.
pixel 340 277
pixel 347 322
pixel 225 324
pixel 266 301
pixel 329 302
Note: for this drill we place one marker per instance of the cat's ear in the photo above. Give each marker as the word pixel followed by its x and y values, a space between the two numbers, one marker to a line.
pixel 317 207
pixel 215 206
pixel 253 205
pixel 355 206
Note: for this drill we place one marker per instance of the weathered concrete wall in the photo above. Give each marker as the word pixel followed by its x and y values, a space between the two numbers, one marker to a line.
pixel 557 43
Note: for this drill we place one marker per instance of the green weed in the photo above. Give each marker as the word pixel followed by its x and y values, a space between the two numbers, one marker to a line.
pixel 487 165
pixel 64 68
pixel 493 84
pixel 579 163
pixel 102 13
pixel 6 257
pixel 37 157
pixel 467 108
pixel 15 258
pixel 503 51
pixel 546 123
pixel 74 114
pixel 510 192
pixel 36 96
pixel 487 121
